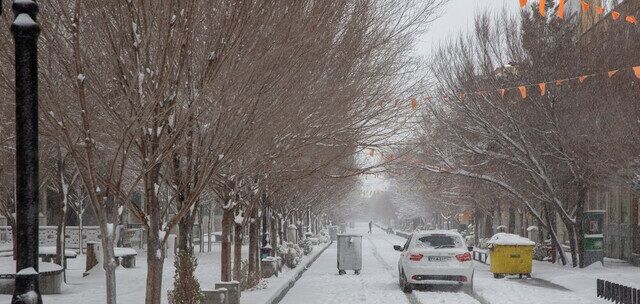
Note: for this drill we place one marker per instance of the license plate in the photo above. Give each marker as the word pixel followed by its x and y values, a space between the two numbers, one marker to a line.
pixel 437 258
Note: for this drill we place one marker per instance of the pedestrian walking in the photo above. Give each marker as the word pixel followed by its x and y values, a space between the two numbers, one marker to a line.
pixel 370 226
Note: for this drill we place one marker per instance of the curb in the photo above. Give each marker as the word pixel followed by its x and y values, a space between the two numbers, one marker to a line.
pixel 282 291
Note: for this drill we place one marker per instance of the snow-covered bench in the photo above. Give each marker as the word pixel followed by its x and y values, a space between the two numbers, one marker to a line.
pixel 125 256
pixel 50 277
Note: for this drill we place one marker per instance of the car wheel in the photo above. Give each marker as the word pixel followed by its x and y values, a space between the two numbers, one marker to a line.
pixel 406 286
pixel 468 288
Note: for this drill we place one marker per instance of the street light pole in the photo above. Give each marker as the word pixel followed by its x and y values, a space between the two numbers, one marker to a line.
pixel 25 32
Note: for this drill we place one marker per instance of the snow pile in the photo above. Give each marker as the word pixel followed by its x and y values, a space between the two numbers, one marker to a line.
pixel 510 240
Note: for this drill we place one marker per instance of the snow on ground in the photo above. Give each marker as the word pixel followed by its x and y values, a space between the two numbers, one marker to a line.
pixel 130 282
pixel 579 282
pixel 511 290
pixel 583 281
pixel 271 287
pixel 377 282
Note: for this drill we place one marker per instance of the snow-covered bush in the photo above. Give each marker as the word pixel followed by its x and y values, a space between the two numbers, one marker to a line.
pixel 306 246
pixel 540 252
pixel 482 243
pixel 248 281
pixel 290 253
pixel 323 236
pixel 186 288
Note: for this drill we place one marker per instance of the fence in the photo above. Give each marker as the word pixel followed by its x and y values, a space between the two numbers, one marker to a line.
pixel 480 256
pixel 617 293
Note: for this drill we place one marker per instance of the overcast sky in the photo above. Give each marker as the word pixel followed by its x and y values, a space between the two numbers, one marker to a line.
pixel 457 16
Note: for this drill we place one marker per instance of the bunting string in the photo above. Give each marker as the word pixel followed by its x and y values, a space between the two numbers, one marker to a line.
pixel 585 7
pixel 524 90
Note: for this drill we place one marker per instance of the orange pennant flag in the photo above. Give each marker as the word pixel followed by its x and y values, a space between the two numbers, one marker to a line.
pixel 636 71
pixel 561 9
pixel 523 3
pixel 585 6
pixel 542 8
pixel 600 10
pixel 523 91
pixel 582 78
pixel 502 91
pixel 414 103
pixel 631 19
pixel 615 15
pixel 543 88
pixel 372 152
pixel 611 73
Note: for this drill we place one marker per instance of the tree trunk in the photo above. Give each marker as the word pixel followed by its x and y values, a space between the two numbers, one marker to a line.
pixel 273 235
pixel 185 230
pixel 579 233
pixel 634 225
pixel 155 245
pixel 282 237
pixel 209 226
pixel 225 260
pixel 476 226
pixel 109 265
pixel 549 214
pixel 253 245
pixel 237 252
pixel 488 226
pixel 512 219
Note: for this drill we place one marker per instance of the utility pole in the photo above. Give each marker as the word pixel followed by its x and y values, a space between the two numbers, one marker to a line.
pixel 25 32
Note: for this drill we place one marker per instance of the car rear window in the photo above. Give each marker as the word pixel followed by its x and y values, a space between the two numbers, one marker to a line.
pixel 438 241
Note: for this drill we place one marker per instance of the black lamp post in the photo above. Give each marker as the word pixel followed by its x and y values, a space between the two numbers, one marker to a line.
pixel 25 32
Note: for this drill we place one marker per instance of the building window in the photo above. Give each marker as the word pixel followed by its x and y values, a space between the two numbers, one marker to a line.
pixel 624 207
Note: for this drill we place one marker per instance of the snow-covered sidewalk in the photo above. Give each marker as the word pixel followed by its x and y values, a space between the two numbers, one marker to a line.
pixel 275 286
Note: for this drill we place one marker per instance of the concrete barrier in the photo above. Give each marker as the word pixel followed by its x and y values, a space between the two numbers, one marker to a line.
pixel 217 296
pixel 233 291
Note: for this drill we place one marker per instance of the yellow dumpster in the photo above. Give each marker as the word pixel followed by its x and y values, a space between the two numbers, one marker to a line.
pixel 510 254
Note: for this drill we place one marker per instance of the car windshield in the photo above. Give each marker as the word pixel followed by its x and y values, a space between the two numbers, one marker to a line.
pixel 438 241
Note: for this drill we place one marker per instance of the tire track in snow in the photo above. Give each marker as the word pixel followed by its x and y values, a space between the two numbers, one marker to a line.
pixel 374 250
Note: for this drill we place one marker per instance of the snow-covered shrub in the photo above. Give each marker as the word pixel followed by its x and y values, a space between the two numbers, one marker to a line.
pixel 323 236
pixel 306 246
pixel 290 253
pixel 247 280
pixel 540 252
pixel 482 243
pixel 186 288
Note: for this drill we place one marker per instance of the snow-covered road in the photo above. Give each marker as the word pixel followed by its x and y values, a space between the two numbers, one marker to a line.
pixel 377 283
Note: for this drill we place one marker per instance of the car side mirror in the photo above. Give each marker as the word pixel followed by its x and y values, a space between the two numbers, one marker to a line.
pixel 470 248
pixel 397 247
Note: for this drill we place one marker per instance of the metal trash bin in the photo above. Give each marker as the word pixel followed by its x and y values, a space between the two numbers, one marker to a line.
pixel 333 233
pixel 349 253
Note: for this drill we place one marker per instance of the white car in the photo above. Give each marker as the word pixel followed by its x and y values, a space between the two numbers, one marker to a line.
pixel 435 257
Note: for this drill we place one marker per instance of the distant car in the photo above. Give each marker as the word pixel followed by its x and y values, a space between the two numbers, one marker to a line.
pixel 435 257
